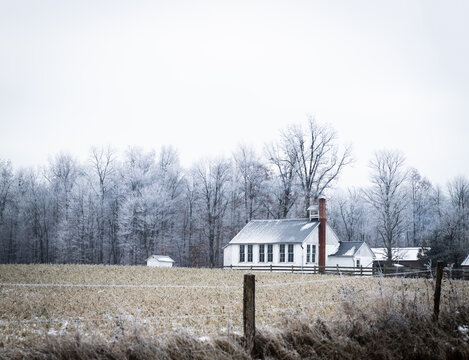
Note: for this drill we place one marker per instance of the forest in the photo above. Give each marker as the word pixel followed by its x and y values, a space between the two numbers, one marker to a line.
pixel 115 209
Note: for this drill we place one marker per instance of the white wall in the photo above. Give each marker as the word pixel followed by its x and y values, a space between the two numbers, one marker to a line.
pixel 231 255
pixel 340 260
pixel 365 255
pixel 156 263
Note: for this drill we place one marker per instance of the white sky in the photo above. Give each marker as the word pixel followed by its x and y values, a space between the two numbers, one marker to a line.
pixel 203 76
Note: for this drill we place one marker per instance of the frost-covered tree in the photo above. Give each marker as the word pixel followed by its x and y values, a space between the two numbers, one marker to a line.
pixel 420 191
pixel 283 192
pixel 348 215
pixel 213 179
pixel 316 157
pixel 252 180
pixel 387 196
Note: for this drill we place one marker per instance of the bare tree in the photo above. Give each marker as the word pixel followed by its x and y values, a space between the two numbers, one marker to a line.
pixel 212 178
pixel 458 190
pixel 351 213
pixel 317 158
pixel 420 191
pixel 387 195
pixel 62 174
pixel 253 176
pixel 283 182
pixel 102 161
pixel 6 180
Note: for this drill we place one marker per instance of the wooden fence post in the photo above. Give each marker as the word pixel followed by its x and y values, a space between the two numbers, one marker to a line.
pixel 249 312
pixel 314 270
pixel 436 298
pixel 361 270
pixel 384 269
pixel 337 268
pixel 292 269
pixel 270 267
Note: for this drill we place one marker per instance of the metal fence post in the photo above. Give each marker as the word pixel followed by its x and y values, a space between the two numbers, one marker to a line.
pixel 249 312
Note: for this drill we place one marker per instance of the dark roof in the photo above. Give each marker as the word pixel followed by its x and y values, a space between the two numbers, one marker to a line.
pixel 348 248
pixel 275 231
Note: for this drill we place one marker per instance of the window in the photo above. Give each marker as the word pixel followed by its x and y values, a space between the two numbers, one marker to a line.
pixel 241 253
pixel 308 253
pixel 282 252
pixel 358 262
pixel 270 253
pixel 290 252
pixel 249 253
pixel 313 253
pixel 261 253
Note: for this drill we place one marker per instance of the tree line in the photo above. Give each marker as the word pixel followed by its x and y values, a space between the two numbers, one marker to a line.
pixel 111 210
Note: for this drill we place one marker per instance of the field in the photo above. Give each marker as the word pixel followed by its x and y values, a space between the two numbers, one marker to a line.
pixel 105 303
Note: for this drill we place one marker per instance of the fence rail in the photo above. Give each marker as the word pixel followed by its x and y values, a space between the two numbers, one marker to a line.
pixel 348 270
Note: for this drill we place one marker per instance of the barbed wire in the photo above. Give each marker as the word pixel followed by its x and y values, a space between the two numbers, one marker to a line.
pixel 341 277
pixel 150 286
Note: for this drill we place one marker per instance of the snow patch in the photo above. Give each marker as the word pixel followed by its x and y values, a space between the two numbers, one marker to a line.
pixel 307 226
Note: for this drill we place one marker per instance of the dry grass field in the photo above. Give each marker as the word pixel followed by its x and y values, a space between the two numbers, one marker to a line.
pixel 104 303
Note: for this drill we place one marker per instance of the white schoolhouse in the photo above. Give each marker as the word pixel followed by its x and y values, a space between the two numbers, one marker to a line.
pixel 298 242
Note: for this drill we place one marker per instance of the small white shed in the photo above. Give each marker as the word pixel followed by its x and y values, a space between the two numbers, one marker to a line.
pixel 160 261
pixel 465 263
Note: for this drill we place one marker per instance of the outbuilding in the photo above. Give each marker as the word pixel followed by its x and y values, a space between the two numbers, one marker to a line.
pixel 404 256
pixel 160 261
pixel 465 263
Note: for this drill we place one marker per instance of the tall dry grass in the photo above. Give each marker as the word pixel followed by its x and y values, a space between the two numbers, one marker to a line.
pixel 391 331
pixel 298 316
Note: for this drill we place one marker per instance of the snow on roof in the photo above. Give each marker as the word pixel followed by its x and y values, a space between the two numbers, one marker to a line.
pixel 466 261
pixel 348 248
pixel 162 258
pixel 275 231
pixel 399 254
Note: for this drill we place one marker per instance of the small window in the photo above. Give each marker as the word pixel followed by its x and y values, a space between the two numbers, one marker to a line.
pixel 313 253
pixel 270 253
pixel 290 252
pixel 308 253
pixel 241 253
pixel 261 253
pixel 358 262
pixel 282 253
pixel 249 253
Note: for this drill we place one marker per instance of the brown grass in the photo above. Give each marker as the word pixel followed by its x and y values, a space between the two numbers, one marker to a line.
pixel 340 318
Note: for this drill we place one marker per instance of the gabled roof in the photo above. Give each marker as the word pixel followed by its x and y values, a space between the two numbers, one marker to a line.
pixel 466 261
pixel 275 231
pixel 399 254
pixel 162 258
pixel 348 248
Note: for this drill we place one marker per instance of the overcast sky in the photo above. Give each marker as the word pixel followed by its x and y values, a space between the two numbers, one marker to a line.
pixel 204 76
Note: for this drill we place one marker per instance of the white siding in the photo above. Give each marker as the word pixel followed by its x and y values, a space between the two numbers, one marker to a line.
pixel 365 255
pixel 347 261
pixel 156 263
pixel 227 255
pixel 231 255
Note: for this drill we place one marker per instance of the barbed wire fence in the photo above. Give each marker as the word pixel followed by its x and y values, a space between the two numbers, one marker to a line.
pixel 227 314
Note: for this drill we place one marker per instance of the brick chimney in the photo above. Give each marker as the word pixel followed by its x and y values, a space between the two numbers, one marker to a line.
pixel 322 232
